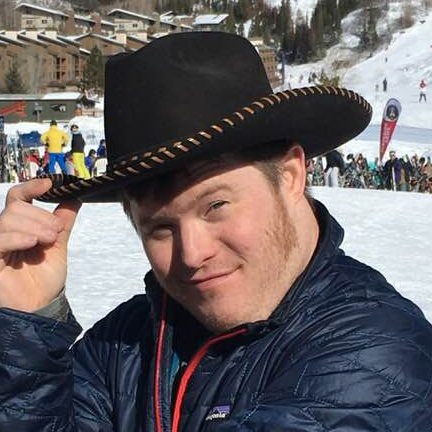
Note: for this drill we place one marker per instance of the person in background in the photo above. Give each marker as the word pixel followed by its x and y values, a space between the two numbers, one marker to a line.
pixel 55 139
pixel 384 84
pixel 310 167
pixel 70 166
pixel 335 166
pixel 90 161
pixel 34 164
pixel 78 145
pixel 422 87
pixel 393 172
pixel 45 161
pixel 101 150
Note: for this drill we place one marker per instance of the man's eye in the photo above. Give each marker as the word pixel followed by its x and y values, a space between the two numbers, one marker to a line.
pixel 216 205
pixel 159 231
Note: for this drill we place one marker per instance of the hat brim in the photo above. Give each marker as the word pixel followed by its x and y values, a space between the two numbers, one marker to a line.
pixel 318 118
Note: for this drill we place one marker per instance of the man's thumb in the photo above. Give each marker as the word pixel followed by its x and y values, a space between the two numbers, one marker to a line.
pixel 67 213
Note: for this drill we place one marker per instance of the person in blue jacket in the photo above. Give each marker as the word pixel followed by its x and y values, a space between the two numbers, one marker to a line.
pixel 101 150
pixel 253 319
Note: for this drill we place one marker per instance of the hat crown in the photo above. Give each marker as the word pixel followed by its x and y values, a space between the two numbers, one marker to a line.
pixel 178 85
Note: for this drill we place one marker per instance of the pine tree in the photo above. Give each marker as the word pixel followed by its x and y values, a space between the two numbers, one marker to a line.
pixel 93 74
pixel 13 80
pixel 230 22
pixel 317 29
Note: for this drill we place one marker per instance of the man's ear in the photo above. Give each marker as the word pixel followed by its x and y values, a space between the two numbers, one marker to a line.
pixel 294 172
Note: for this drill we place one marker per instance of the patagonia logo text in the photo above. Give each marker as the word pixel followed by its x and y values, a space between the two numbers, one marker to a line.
pixel 218 412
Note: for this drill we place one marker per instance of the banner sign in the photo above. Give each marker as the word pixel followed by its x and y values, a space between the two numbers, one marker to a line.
pixel 391 115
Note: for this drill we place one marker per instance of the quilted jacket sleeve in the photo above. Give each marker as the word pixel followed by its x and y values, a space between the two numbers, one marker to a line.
pixel 37 381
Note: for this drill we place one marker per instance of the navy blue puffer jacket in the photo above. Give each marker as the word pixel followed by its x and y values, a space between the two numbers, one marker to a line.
pixel 342 352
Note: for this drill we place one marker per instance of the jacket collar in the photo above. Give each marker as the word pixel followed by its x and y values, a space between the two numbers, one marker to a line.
pixel 306 286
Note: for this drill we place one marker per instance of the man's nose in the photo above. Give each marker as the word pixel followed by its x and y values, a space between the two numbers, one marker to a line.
pixel 196 245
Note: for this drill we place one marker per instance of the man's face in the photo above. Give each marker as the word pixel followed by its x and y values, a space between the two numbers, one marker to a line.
pixel 220 245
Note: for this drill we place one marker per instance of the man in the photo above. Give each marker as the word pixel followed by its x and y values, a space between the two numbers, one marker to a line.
pixel 393 172
pixel 78 157
pixel 422 87
pixel 335 166
pixel 253 318
pixel 55 139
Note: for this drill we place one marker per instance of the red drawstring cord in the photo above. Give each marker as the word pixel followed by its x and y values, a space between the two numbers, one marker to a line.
pixel 189 372
pixel 158 420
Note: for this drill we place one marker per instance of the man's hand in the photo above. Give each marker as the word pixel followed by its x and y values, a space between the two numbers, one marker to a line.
pixel 33 247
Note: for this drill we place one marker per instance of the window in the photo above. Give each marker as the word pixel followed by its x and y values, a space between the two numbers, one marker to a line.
pixel 29 22
pixel 44 21
pixel 134 25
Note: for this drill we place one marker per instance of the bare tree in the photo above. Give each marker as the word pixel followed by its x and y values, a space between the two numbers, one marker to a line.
pixel 407 15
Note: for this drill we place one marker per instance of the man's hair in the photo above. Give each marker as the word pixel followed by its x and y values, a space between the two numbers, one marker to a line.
pixel 266 158
pixel 53 123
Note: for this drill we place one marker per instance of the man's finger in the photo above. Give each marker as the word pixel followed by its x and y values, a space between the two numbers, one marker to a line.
pixel 67 213
pixel 29 190
pixel 14 241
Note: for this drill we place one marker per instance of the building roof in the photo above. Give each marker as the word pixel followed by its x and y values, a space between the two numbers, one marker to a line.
pixel 68 40
pixel 62 96
pixel 92 21
pixel 30 38
pixel 131 14
pixel 41 9
pixel 13 96
pixel 98 36
pixel 136 38
pixel 210 19
pixel 164 18
pixel 11 40
pixel 49 38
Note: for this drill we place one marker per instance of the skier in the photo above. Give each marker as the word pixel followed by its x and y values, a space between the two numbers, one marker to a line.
pixel 55 139
pixel 393 172
pixel 78 145
pixel 335 166
pixel 422 87
pixel 384 83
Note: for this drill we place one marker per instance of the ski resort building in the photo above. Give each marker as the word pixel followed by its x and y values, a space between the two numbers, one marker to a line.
pixel 39 108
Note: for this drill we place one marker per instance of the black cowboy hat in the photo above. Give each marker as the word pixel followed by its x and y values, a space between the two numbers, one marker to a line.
pixel 195 94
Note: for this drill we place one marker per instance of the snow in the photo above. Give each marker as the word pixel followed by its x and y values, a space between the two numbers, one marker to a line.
pixel 404 62
pixel 62 95
pixel 210 19
pixel 42 9
pixel 390 231
pixel 305 7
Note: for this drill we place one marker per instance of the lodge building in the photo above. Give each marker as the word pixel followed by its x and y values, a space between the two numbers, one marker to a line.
pixel 52 47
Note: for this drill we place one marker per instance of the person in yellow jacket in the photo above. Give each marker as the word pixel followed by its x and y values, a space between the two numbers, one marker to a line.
pixel 55 139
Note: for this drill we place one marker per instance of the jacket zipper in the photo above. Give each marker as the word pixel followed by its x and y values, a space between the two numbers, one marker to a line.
pixel 190 369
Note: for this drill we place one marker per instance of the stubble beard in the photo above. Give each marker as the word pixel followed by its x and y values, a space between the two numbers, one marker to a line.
pixel 280 243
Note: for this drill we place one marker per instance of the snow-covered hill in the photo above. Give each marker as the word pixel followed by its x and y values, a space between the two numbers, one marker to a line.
pixel 404 62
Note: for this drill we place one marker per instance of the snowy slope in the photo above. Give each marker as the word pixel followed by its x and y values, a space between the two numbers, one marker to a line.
pixel 390 231
pixel 409 59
